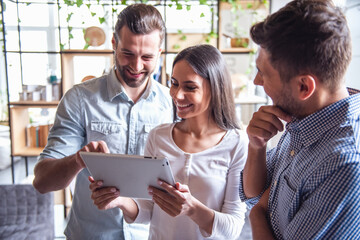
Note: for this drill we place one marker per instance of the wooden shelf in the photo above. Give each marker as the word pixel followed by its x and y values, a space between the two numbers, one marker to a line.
pixel 35 103
pixel 237 50
pixel 252 99
pixel 19 115
pixel 87 51
pixel 27 152
pixel 68 64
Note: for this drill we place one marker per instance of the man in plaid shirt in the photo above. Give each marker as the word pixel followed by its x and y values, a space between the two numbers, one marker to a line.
pixel 308 186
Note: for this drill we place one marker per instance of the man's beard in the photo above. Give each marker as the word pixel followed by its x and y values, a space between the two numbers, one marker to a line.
pixel 288 104
pixel 131 82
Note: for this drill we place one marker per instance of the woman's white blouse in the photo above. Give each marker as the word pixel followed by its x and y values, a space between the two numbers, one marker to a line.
pixel 213 177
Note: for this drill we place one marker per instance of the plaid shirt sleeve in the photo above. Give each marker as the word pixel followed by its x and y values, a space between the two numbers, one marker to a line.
pixel 332 209
pixel 270 163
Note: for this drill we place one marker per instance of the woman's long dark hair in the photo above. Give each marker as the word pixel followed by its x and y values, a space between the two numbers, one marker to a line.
pixel 208 62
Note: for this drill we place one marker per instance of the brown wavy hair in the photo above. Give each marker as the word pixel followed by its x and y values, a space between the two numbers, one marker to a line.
pixel 140 19
pixel 307 37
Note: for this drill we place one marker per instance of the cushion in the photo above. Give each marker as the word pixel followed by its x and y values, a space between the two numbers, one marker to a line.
pixel 25 213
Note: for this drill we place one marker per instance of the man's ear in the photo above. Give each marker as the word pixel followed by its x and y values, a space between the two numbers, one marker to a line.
pixel 306 85
pixel 113 42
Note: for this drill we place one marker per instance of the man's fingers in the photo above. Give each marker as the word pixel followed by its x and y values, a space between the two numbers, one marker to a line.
pixel 95 184
pixel 104 203
pixel 267 128
pixel 260 117
pixel 98 192
pixel 277 112
pixel 103 147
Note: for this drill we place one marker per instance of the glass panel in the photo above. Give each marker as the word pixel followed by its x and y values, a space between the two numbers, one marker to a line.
pixel 90 66
pixel 37 68
pixel 34 15
pixel 34 40
pixel 12 39
pixel 14 75
pixel 10 14
pixel 197 20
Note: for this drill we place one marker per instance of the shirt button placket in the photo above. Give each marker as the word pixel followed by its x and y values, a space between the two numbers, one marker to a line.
pixel 132 133
pixel 292 153
pixel 188 160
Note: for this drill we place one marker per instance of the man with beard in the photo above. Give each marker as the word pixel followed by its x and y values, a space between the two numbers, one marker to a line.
pixel 112 113
pixel 308 186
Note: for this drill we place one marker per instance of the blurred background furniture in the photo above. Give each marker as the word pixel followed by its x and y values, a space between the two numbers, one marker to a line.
pixel 25 213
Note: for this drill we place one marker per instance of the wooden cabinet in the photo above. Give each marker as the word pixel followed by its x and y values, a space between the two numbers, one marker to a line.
pixel 19 120
pixel 76 65
pixel 19 110
pixel 235 20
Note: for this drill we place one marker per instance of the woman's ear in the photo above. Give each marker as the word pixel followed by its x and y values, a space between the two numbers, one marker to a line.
pixel 306 85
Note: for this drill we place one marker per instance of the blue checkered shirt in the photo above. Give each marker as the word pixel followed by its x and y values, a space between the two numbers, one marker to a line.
pixel 314 173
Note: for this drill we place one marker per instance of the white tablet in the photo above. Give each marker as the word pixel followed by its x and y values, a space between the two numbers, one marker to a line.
pixel 131 174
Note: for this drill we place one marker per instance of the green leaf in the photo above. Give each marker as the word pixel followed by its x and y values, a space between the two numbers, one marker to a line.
pixel 176 46
pixel 179 6
pixel 86 46
pixel 202 15
pixel 27 4
pixel 102 20
pixel 71 36
pixel 69 2
pixel 113 10
pixel 188 7
pixel 88 5
pixel 170 5
pixel 93 14
pixel 69 17
pixel 62 46
pixel 179 31
pixel 203 2
pixel 183 38
pixel 79 3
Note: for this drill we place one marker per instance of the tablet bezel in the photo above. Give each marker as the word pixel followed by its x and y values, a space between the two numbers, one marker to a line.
pixel 131 174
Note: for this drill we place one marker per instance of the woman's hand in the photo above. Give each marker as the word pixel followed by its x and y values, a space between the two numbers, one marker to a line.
pixel 178 201
pixel 175 201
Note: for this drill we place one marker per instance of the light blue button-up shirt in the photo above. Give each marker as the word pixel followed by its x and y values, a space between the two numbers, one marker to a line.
pixel 314 174
pixel 96 110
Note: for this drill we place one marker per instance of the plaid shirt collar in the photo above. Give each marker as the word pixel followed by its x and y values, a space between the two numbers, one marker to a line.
pixel 334 114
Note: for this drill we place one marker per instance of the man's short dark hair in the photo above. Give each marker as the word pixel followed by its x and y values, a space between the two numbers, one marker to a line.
pixel 307 37
pixel 140 19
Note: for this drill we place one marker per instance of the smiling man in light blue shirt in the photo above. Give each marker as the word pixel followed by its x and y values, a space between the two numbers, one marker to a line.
pixel 119 109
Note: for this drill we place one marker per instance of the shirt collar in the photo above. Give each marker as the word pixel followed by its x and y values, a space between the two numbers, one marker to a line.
pixel 115 88
pixel 315 125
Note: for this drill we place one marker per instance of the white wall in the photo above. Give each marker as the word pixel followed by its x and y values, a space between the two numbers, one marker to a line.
pixel 352 12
